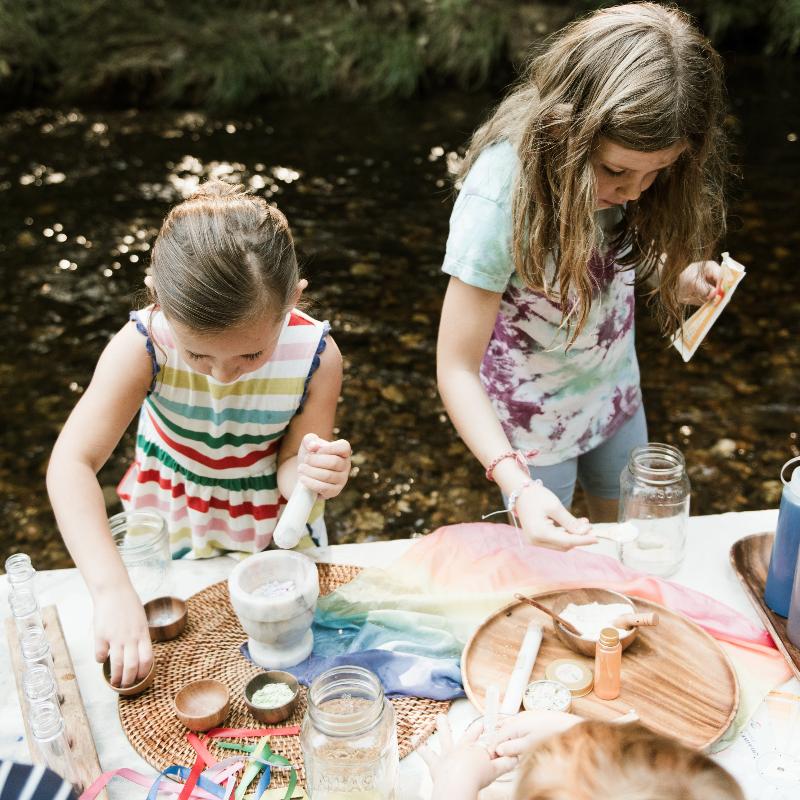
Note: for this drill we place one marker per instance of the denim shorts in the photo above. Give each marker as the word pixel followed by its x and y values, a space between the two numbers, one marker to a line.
pixel 598 470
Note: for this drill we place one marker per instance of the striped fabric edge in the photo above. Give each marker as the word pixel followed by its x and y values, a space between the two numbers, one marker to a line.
pixel 209 440
pixel 251 483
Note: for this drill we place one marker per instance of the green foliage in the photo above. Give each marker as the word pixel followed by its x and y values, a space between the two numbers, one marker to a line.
pixel 227 53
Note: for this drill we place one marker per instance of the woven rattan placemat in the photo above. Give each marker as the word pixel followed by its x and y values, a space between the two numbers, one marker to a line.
pixel 209 648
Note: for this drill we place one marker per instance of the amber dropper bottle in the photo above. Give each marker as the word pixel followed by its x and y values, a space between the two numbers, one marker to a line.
pixel 607 664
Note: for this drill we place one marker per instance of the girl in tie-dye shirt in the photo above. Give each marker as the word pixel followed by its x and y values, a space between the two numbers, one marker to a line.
pixel 602 167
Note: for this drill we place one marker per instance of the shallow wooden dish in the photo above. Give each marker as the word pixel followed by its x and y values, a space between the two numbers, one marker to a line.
pixel 279 713
pixel 133 689
pixel 166 618
pixel 675 676
pixel 581 597
pixel 750 559
pixel 204 704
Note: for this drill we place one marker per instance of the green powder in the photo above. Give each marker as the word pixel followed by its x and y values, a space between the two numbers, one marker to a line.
pixel 272 695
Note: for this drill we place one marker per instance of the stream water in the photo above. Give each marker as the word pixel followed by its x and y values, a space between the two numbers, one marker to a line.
pixel 367 192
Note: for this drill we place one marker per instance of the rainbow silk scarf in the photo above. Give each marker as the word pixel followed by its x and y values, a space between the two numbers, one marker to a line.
pixel 410 621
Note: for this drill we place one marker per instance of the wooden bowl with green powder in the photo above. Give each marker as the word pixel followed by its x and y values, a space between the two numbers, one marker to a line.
pixel 272 696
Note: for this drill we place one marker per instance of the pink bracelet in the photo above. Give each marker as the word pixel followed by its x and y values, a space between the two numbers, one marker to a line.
pixel 520 456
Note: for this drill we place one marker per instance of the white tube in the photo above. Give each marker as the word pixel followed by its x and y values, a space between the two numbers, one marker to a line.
pixel 490 709
pixel 521 674
pixel 292 523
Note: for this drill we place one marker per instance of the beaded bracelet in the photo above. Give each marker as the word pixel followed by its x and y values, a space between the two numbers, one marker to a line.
pixel 511 506
pixel 520 456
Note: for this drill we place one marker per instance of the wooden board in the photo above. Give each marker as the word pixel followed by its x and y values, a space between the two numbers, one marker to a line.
pixel 75 720
pixel 750 560
pixel 675 676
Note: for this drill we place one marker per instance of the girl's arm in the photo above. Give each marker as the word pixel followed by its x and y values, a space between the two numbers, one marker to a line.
pixel 95 426
pixel 468 318
pixel 306 451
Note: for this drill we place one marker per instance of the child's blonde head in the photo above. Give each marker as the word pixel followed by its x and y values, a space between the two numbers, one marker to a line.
pixel 223 258
pixel 643 77
pixel 597 761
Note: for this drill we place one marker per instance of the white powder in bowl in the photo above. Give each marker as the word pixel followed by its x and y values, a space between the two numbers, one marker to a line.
pixel 591 618
pixel 275 589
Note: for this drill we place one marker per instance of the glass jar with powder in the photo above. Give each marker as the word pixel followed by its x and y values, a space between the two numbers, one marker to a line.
pixel 143 544
pixel 349 738
pixel 654 497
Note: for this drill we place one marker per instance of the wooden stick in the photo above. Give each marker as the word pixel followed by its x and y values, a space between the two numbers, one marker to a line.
pixel 550 613
pixel 84 753
pixel 636 620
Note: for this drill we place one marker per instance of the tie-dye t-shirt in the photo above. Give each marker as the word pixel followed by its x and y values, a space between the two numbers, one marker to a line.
pixel 561 402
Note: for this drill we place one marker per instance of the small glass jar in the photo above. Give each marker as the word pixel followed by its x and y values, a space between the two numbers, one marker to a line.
pixel 25 611
pixel 39 685
pixel 654 496
pixel 349 738
pixel 36 649
pixel 50 737
pixel 20 573
pixel 143 544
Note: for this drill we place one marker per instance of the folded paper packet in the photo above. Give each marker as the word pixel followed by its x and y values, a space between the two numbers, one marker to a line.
pixel 689 336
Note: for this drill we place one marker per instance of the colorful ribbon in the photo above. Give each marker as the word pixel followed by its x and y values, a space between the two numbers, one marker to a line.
pixel 207 784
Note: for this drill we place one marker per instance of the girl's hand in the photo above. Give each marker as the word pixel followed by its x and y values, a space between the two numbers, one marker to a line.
pixel 120 630
pixel 699 283
pixel 459 771
pixel 323 466
pixel 517 735
pixel 547 523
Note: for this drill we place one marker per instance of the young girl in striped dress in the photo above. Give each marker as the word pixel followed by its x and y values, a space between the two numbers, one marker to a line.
pixel 236 392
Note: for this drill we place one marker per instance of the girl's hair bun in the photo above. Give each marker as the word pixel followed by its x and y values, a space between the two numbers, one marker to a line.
pixel 216 188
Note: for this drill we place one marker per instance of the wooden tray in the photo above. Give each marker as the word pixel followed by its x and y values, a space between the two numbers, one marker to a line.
pixel 675 676
pixel 750 560
pixel 83 750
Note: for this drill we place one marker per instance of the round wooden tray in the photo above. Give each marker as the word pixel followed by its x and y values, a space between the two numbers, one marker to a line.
pixel 675 676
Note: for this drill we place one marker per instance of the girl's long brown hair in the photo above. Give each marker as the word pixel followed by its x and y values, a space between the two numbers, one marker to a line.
pixel 642 76
pixel 599 760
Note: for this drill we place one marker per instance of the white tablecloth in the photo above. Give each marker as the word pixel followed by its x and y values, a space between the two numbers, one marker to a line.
pixel 706 568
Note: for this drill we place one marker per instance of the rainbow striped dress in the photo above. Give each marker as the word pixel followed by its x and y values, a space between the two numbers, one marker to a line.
pixel 206 452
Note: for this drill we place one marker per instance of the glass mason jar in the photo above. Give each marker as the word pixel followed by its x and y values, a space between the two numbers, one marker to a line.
pixel 349 738
pixel 654 496
pixel 143 544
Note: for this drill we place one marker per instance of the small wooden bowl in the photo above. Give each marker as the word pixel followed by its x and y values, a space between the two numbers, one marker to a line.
pixel 136 688
pixel 166 618
pixel 582 597
pixel 280 713
pixel 202 704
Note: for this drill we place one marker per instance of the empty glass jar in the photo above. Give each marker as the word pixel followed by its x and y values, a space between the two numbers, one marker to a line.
pixel 654 496
pixel 143 544
pixel 50 736
pixel 20 573
pixel 25 610
pixel 349 738
pixel 39 684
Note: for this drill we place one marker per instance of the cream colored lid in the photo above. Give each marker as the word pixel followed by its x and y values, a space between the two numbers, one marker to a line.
pixel 575 675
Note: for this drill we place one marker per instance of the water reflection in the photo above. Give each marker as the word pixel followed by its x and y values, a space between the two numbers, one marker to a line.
pixel 367 192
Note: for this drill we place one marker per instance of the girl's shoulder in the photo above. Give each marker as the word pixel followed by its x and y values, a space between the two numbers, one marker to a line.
pixel 493 174
pixel 301 318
